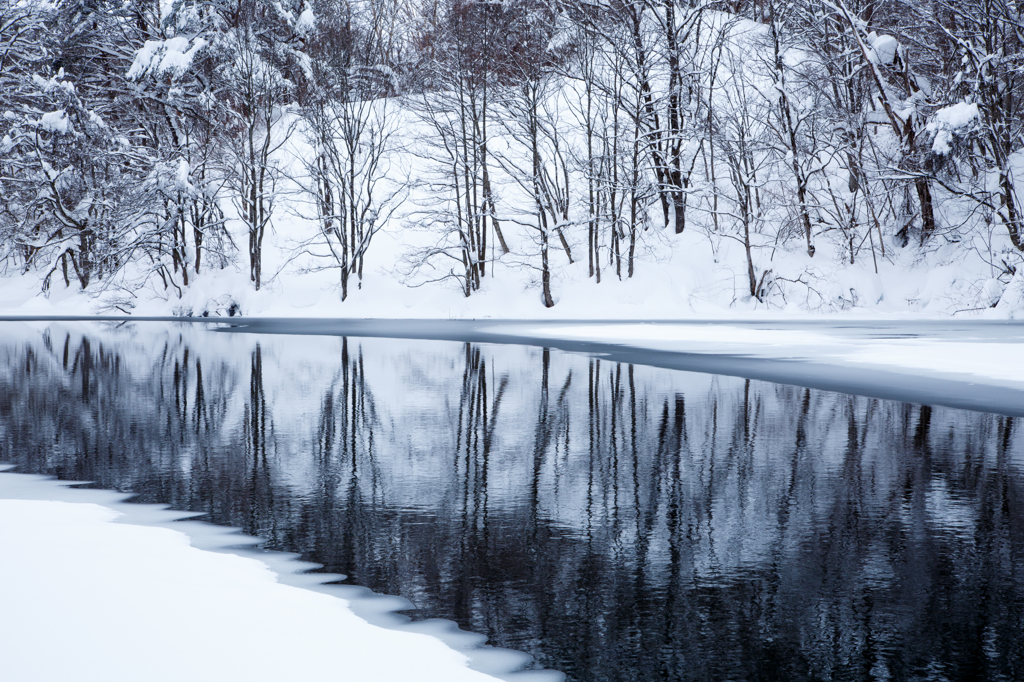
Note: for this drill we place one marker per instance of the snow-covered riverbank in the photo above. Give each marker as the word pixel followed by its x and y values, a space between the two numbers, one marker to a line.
pixel 89 598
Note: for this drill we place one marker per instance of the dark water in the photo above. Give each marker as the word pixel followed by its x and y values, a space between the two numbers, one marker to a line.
pixel 617 522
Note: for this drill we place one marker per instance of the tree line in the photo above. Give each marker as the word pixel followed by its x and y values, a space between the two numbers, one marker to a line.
pixel 135 134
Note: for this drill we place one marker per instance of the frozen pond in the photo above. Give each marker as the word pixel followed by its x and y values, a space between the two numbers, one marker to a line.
pixel 616 521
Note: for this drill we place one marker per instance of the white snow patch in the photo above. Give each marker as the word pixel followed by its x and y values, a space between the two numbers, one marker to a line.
pixel 957 115
pixel 885 48
pixel 56 122
pixel 181 176
pixel 306 21
pixel 172 56
pixel 950 120
pixel 122 601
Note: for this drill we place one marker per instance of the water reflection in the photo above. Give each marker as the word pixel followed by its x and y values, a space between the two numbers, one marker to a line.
pixel 617 522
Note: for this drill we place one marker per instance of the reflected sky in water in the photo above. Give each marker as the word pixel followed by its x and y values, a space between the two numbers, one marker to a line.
pixel 617 522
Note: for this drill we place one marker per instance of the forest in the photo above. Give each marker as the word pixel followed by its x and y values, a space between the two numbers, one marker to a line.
pixel 147 143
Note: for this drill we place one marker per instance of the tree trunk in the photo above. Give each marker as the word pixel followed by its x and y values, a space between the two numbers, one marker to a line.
pixel 545 274
pixel 924 197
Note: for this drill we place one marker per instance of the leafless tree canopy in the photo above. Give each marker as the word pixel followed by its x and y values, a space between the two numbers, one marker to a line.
pixel 133 136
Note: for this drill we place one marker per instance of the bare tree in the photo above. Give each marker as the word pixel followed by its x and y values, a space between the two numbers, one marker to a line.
pixel 257 91
pixel 539 164
pixel 986 127
pixel 793 123
pixel 350 125
pixel 741 133
pixel 462 57
pixel 889 67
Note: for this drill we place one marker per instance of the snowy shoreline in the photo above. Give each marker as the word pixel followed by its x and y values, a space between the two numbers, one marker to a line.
pixel 185 600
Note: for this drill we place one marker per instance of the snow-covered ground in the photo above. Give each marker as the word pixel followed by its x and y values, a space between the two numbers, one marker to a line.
pixel 95 591
pixel 684 279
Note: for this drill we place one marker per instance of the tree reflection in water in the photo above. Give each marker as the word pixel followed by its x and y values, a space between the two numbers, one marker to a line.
pixel 617 522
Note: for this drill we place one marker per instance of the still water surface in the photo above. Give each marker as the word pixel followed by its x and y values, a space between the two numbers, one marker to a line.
pixel 617 522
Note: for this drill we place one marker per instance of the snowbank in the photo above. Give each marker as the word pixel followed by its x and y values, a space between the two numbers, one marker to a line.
pixel 684 283
pixel 127 602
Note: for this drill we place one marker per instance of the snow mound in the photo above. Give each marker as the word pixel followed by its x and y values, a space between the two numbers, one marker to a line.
pixel 165 57
pixel 949 122
pixel 141 602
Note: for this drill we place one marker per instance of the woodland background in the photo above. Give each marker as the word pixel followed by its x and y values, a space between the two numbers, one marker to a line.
pixel 806 155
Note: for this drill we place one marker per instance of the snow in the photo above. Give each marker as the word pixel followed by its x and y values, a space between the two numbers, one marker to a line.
pixel 144 58
pixel 885 48
pixel 306 21
pixel 55 122
pixel 181 175
pixel 172 56
pixel 977 356
pixel 993 291
pixel 957 115
pixel 684 284
pixel 55 83
pixel 949 121
pixel 141 602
